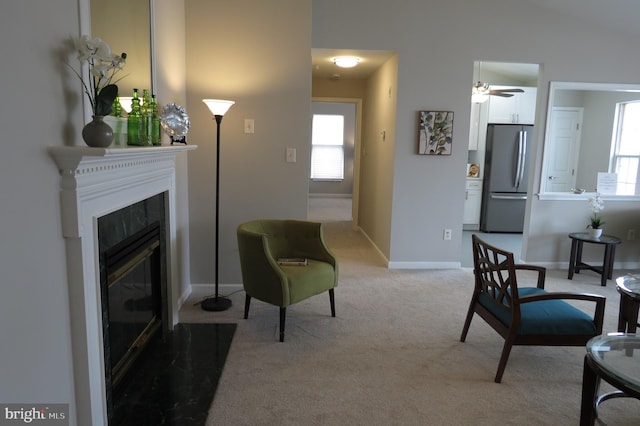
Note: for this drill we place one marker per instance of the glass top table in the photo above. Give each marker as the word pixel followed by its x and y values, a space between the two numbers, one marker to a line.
pixel 629 285
pixel 629 288
pixel 614 358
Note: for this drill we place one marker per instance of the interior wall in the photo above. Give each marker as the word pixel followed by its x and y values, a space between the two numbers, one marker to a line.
pixel 598 121
pixel 41 107
pixel 377 165
pixel 340 88
pixel 435 76
pixel 262 61
pixel 170 76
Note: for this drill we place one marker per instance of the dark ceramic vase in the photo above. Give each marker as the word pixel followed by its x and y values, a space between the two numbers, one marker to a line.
pixel 97 133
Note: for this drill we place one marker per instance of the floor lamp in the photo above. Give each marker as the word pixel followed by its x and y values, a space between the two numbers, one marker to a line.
pixel 218 108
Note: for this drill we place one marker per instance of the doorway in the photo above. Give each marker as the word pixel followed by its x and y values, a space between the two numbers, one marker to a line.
pixel 504 94
pixel 565 129
pixel 335 198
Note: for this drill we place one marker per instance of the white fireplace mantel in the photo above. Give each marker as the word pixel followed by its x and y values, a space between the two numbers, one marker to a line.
pixel 96 182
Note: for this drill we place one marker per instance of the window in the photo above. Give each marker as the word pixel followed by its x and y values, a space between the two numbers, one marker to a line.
pixel 626 153
pixel 327 147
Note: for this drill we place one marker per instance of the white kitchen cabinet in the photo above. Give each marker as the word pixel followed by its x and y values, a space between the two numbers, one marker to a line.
pixel 518 109
pixel 472 202
pixel 478 126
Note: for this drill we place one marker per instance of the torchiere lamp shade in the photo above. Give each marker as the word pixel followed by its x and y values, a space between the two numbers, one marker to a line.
pixel 218 106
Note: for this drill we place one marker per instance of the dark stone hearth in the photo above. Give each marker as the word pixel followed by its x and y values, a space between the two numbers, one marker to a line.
pixel 175 382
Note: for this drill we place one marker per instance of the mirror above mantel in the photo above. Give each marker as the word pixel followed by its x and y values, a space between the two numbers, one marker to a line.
pixel 582 139
pixel 126 26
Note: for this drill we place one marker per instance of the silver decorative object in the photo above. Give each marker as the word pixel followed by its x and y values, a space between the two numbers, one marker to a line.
pixel 175 122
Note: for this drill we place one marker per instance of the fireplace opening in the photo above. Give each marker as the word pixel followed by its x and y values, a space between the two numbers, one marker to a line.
pixel 132 303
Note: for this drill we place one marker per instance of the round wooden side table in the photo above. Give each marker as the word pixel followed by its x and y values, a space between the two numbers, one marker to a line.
pixel 575 260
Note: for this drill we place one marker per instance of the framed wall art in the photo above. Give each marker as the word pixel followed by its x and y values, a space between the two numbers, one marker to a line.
pixel 473 170
pixel 435 132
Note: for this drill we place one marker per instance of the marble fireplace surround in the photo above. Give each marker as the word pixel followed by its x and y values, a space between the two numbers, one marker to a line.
pixel 95 182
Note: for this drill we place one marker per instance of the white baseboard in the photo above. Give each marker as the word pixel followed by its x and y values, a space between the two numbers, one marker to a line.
pixel 565 265
pixel 323 195
pixel 411 265
pixel 424 265
pixel 206 289
pixel 375 247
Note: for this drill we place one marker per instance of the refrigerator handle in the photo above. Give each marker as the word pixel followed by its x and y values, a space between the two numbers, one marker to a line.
pixel 516 181
pixel 523 153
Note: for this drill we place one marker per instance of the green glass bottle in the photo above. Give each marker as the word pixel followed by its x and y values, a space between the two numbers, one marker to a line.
pixel 116 109
pixel 134 122
pixel 145 112
pixel 155 122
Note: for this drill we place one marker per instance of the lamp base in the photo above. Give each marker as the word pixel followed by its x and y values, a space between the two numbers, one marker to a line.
pixel 216 304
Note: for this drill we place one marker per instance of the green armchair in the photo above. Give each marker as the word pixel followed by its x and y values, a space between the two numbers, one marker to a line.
pixel 263 242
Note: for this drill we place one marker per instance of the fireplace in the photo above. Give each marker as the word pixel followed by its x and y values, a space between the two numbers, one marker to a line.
pixel 132 287
pixel 131 301
pixel 96 182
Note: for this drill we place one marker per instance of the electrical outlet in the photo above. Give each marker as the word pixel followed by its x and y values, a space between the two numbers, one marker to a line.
pixel 447 234
pixel 631 234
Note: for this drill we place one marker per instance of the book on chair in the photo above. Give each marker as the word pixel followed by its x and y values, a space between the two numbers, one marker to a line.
pixel 293 261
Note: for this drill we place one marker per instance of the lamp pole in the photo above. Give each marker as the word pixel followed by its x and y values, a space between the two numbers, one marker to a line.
pixel 217 303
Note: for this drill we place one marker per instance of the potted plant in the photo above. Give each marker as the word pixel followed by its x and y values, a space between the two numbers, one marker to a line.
pixel 595 221
pixel 100 86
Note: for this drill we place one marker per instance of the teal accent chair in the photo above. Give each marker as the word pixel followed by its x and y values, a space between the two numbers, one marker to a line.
pixel 526 315
pixel 263 242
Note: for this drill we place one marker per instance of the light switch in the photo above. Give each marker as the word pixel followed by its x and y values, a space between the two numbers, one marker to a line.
pixel 291 155
pixel 249 125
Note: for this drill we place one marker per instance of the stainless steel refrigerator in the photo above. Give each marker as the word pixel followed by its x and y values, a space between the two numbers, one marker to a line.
pixel 506 170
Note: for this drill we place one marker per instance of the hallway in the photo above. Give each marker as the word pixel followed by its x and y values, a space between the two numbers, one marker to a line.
pixel 333 209
pixel 329 209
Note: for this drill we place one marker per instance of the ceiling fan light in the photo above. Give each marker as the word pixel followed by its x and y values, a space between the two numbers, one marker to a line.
pixel 346 61
pixel 479 95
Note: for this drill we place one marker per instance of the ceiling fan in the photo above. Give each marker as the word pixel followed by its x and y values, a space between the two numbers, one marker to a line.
pixel 481 91
pixel 483 88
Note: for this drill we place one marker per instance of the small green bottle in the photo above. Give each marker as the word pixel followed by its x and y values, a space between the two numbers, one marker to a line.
pixel 116 109
pixel 145 112
pixel 134 122
pixel 155 122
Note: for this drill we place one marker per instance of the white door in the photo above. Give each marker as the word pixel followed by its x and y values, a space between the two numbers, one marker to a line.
pixel 562 159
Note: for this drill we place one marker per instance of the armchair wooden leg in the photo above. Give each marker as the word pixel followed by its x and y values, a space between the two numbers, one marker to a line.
pixel 247 302
pixel 467 322
pixel 506 350
pixel 332 300
pixel 283 315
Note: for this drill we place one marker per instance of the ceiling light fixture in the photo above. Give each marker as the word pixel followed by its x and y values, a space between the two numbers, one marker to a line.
pixel 479 93
pixel 346 61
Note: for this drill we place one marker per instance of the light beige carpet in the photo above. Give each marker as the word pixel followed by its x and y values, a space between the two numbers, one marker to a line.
pixel 393 355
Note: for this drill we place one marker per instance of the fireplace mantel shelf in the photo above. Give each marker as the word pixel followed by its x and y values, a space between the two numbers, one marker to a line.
pixel 73 159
